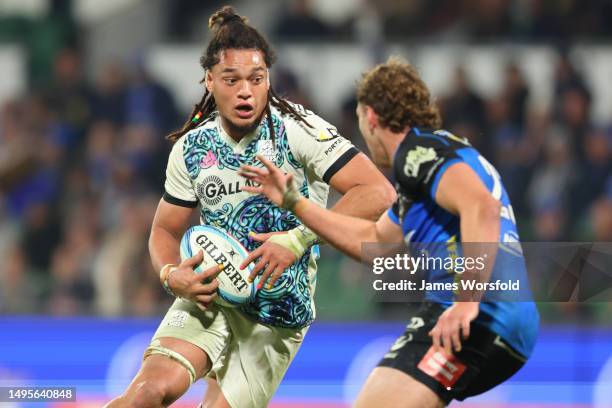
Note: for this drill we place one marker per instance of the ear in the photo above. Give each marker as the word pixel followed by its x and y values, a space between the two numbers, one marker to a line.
pixel 209 80
pixel 371 117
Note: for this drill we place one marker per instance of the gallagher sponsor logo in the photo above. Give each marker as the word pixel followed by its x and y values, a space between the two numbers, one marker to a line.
pixel 212 189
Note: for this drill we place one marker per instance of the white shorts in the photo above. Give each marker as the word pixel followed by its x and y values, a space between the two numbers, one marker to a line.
pixel 249 359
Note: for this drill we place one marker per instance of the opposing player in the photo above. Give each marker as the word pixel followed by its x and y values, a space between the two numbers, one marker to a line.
pixel 243 352
pixel 447 193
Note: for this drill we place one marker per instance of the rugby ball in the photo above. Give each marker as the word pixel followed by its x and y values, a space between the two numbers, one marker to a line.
pixel 220 247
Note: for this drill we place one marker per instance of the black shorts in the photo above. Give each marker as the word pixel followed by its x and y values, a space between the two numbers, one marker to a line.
pixel 485 360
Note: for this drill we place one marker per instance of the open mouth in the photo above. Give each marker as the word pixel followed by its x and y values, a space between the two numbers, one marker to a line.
pixel 244 110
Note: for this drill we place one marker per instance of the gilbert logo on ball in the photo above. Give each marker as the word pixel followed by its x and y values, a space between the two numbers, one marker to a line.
pixel 220 247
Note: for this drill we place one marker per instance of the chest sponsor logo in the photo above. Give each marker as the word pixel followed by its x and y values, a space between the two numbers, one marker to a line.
pixel 212 189
pixel 416 157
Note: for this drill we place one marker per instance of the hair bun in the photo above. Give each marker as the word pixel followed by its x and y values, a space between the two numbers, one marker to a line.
pixel 224 16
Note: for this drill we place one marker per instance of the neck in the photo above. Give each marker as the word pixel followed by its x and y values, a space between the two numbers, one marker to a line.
pixel 391 141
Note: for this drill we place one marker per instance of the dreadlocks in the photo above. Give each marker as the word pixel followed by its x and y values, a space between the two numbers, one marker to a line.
pixel 232 31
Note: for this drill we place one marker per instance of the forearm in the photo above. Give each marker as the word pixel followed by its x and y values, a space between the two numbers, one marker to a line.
pixel 366 201
pixel 480 235
pixel 163 247
pixel 344 232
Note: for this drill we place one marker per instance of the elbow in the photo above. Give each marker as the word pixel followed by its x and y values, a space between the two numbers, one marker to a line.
pixel 489 210
pixel 151 240
pixel 157 232
pixel 385 193
pixel 386 196
pixel 389 195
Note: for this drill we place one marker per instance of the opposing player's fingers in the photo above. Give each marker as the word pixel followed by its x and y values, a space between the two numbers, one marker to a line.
pixel 252 189
pixel 271 167
pixel 259 266
pixel 278 272
pixel 465 328
pixel 260 237
pixel 252 256
pixel 265 275
pixel 256 170
pixel 250 175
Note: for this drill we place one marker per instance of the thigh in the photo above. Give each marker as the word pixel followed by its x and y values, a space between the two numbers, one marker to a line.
pixel 483 362
pixel 390 388
pixel 256 360
pixel 214 398
pixel 196 332
pixel 412 354
pixel 494 359
pixel 198 358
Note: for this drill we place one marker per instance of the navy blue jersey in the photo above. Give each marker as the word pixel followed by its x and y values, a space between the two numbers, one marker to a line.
pixel 420 161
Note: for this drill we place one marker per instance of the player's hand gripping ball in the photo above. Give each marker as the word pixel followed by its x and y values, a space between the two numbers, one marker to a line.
pixel 221 248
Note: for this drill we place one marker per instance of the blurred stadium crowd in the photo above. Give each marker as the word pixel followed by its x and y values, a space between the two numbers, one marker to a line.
pixel 82 158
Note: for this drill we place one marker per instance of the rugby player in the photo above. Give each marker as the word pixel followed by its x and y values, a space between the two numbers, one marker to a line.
pixel 243 352
pixel 447 192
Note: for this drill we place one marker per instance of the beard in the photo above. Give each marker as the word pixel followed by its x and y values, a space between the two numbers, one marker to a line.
pixel 243 129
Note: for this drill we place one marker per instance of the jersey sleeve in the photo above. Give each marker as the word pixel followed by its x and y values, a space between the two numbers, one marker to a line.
pixel 321 149
pixel 421 161
pixel 393 213
pixel 178 187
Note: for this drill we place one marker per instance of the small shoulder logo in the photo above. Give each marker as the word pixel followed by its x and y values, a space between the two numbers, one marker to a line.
pixel 452 136
pixel 266 149
pixel 416 157
pixel 328 134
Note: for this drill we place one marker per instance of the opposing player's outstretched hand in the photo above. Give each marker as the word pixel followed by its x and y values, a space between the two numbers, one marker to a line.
pixel 446 334
pixel 198 287
pixel 272 258
pixel 272 181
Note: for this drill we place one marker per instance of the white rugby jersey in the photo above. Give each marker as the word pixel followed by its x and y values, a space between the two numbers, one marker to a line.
pixel 202 169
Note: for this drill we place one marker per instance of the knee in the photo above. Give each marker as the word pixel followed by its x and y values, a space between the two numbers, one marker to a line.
pixel 149 394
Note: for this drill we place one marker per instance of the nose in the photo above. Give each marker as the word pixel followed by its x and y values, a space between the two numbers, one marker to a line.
pixel 244 92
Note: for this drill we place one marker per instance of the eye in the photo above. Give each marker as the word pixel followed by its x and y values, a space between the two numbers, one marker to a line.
pixel 229 81
pixel 258 80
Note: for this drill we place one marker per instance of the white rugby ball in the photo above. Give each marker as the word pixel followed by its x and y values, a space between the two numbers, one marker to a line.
pixel 220 247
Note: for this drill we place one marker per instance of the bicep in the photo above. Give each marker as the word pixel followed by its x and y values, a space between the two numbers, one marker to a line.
pixel 459 188
pixel 172 218
pixel 358 171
